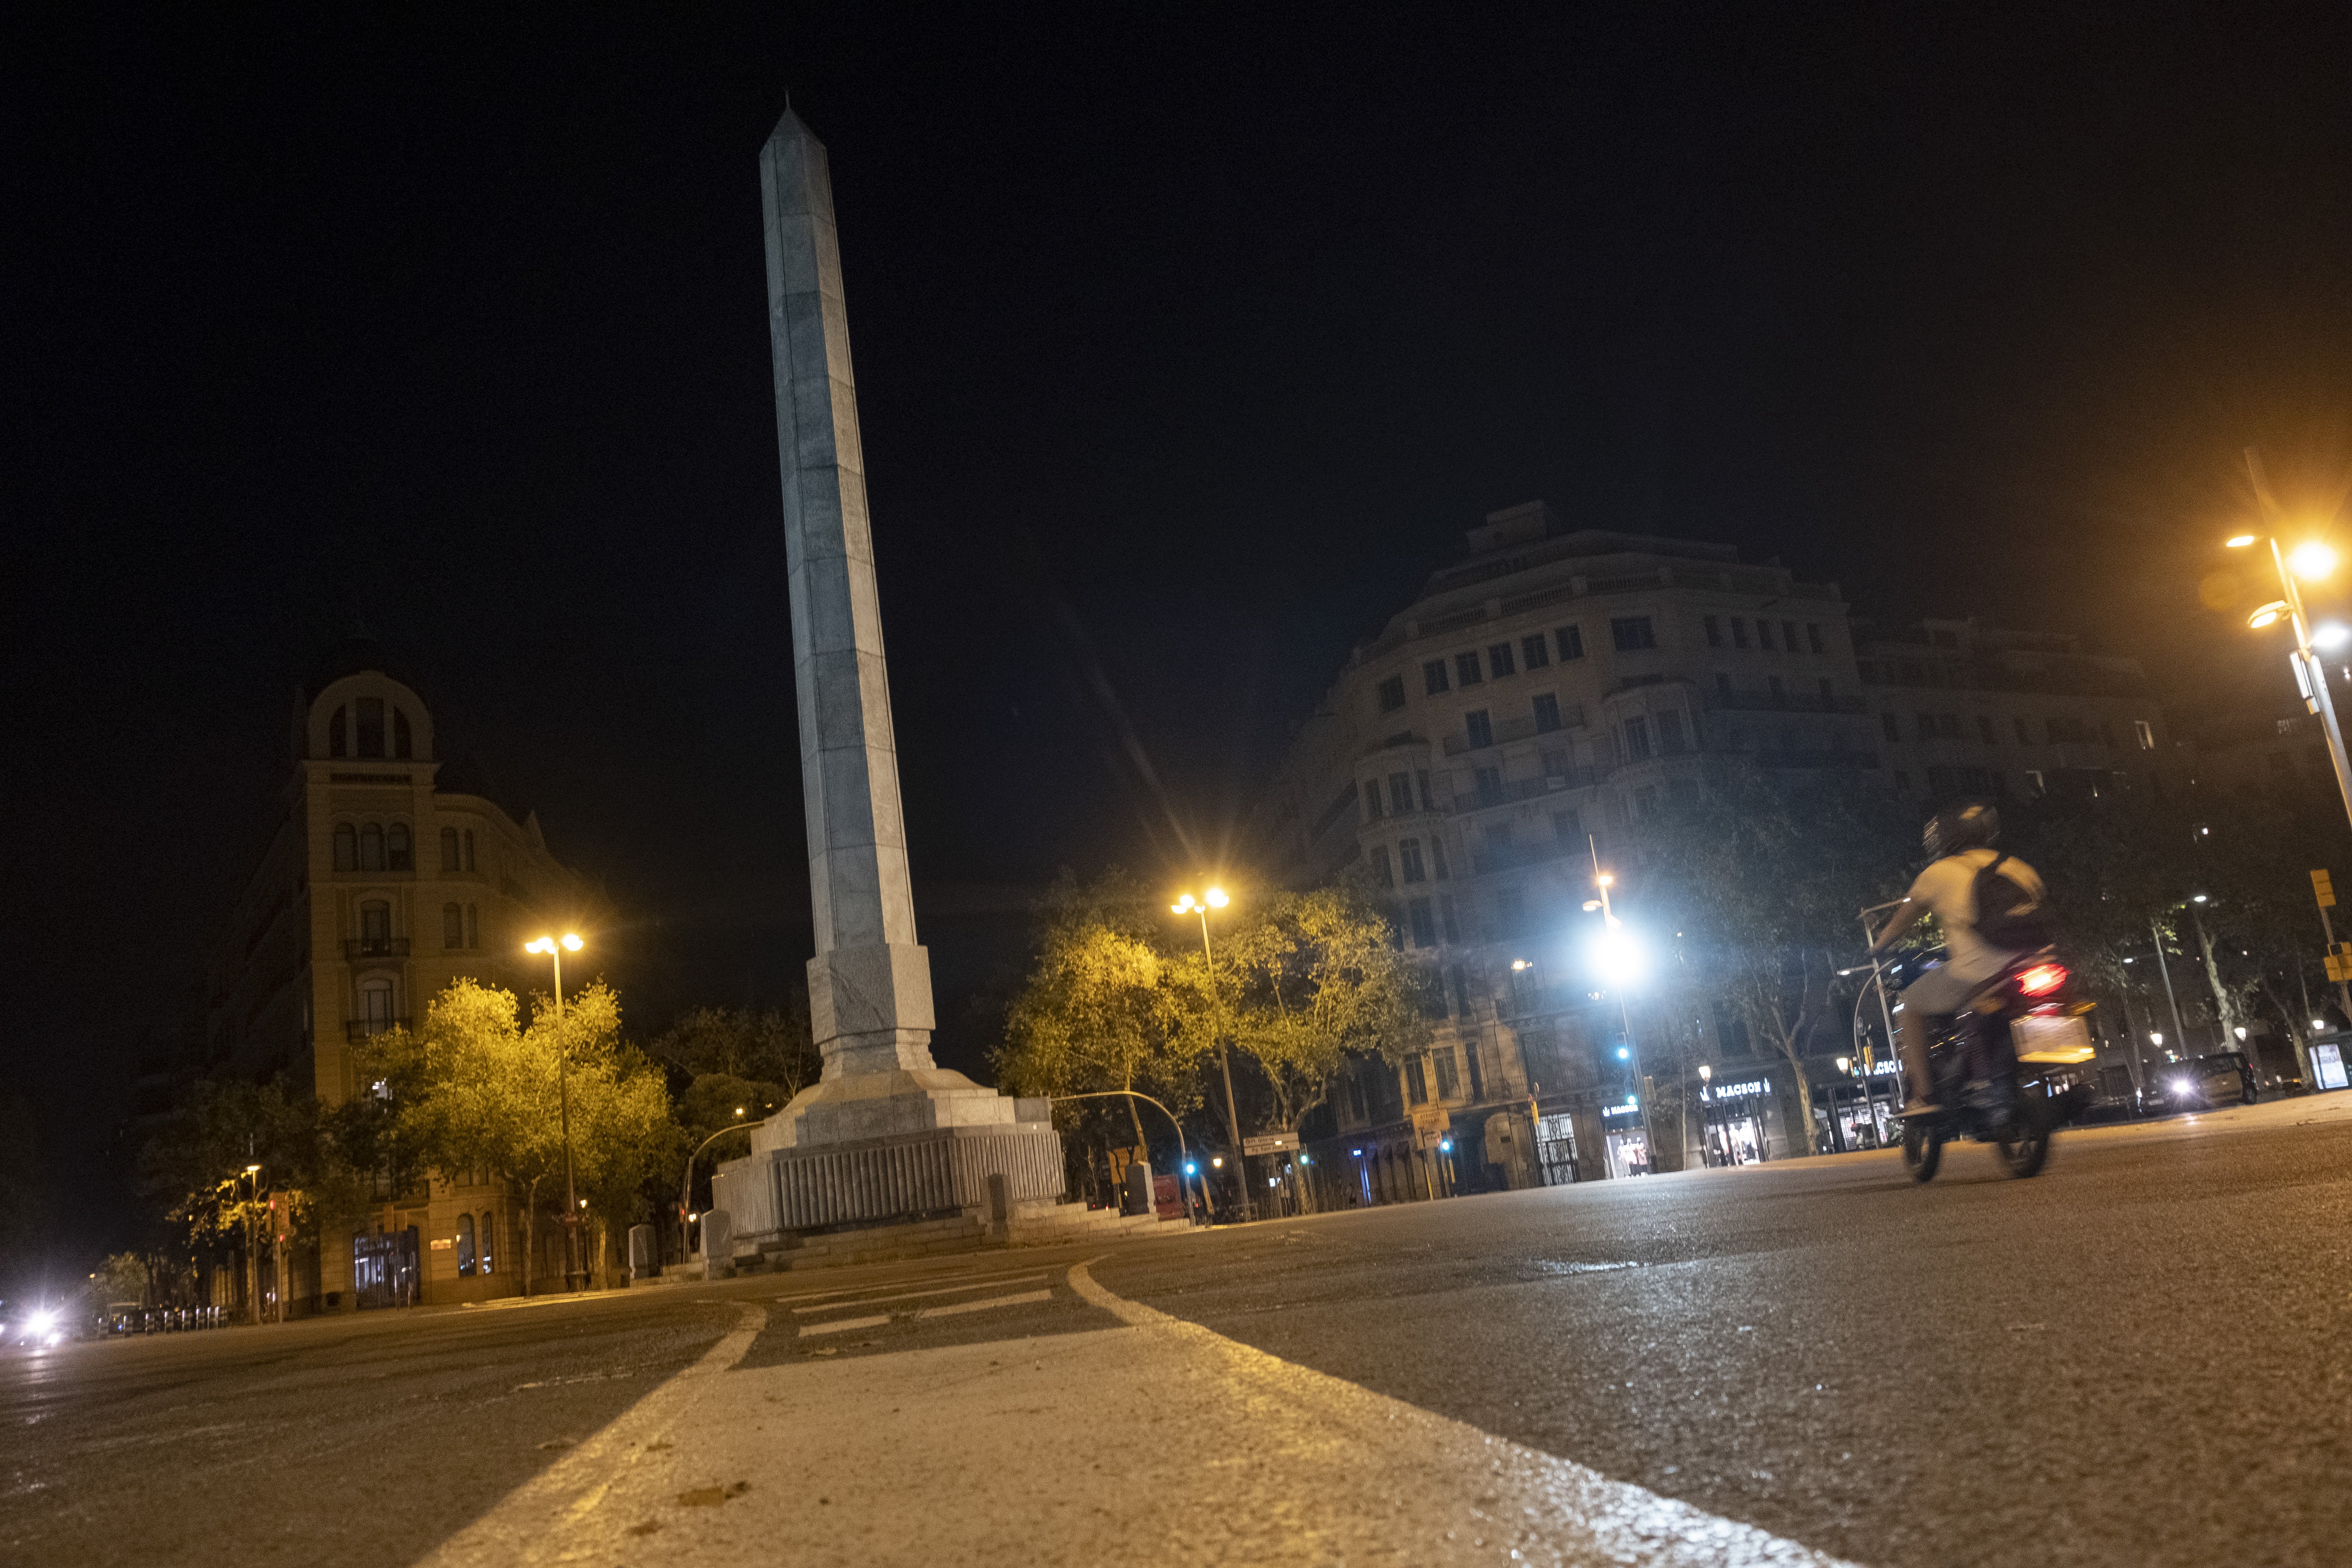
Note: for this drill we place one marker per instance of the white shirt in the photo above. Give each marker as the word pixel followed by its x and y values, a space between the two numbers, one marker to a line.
pixel 1948 887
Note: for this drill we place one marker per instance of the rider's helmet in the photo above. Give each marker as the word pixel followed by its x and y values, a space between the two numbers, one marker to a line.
pixel 1972 825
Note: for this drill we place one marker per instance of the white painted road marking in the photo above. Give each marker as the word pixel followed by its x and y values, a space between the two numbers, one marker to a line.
pixel 1021 1300
pixel 983 1453
pixel 916 1295
pixel 840 1323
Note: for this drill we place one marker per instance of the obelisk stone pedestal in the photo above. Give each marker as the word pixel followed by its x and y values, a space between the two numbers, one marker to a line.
pixel 885 1133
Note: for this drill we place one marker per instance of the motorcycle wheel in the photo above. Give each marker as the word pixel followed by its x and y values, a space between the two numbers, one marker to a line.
pixel 1923 1150
pixel 2024 1147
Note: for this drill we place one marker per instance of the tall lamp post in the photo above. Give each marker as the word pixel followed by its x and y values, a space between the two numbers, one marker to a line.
pixel 1617 957
pixel 252 1262
pixel 1186 905
pixel 556 948
pixel 2310 561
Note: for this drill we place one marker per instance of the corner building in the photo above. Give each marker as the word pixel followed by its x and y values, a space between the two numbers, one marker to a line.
pixel 380 886
pixel 1549 694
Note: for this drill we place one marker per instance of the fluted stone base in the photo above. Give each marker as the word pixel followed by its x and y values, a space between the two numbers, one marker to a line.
pixel 903 1176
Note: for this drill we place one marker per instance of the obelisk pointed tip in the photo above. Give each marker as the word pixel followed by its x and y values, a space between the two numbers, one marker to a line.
pixel 792 127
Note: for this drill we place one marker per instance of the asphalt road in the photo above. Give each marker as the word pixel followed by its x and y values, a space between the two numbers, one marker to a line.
pixel 2142 1356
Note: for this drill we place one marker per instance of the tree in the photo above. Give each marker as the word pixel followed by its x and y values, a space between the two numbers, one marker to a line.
pixel 193 1167
pixel 1099 1010
pixel 737 1056
pixel 1315 978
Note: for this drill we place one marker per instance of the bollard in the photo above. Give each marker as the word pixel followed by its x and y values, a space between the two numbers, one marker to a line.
pixel 717 1246
pixel 1139 1188
pixel 999 1204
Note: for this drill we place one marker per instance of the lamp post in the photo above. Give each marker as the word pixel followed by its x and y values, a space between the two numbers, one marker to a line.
pixel 1185 905
pixel 2310 561
pixel 2179 1030
pixel 686 1182
pixel 1621 962
pixel 252 1263
pixel 556 948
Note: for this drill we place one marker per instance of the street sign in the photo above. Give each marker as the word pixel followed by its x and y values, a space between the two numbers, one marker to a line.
pixel 1429 1118
pixel 2324 890
pixel 1270 1143
pixel 2339 961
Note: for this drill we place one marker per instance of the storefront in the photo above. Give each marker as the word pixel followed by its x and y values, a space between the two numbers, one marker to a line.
pixel 1555 1149
pixel 1732 1120
pixel 1629 1145
pixel 1858 1110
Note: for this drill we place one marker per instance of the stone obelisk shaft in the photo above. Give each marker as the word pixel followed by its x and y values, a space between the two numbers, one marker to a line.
pixel 870 984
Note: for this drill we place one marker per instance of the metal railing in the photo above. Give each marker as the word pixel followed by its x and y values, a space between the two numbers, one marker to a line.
pixel 359 1029
pixel 375 947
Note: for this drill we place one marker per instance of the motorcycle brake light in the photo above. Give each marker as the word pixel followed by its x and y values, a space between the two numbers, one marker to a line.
pixel 2041 979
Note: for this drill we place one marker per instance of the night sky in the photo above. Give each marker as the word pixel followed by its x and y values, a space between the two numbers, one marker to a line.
pixel 1187 344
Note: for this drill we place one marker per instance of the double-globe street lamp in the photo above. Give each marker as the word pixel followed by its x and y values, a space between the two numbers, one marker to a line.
pixel 2310 561
pixel 686 1182
pixel 1620 965
pixel 556 948
pixel 1186 905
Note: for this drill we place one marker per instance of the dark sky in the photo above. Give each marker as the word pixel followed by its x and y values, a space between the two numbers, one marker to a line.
pixel 1187 343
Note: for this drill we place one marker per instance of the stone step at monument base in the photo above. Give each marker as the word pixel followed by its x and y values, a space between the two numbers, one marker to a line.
pixel 966 1231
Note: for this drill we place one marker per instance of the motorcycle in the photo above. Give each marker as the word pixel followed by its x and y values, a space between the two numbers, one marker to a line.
pixel 1995 1062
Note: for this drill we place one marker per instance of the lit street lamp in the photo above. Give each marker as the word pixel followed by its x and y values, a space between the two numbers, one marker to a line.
pixel 1185 905
pixel 573 1272
pixel 2310 561
pixel 1620 966
pixel 686 1182
pixel 252 1262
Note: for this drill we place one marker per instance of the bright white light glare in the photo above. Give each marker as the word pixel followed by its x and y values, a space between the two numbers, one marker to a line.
pixel 1617 958
pixel 42 1320
pixel 570 942
pixel 2332 635
pixel 1217 900
pixel 1623 1054
pixel 2311 560
pixel 2156 1036
pixel 2240 541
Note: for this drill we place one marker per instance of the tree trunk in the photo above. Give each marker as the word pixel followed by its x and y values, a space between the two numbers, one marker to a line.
pixel 529 1232
pixel 2225 1001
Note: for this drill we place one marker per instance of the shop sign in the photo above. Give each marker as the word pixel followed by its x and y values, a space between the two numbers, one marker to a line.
pixel 1741 1091
pixel 2327 1066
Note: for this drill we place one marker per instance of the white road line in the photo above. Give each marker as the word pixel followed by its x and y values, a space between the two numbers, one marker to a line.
pixel 836 1326
pixel 915 1294
pixel 567 1491
pixel 918 1280
pixel 1021 1300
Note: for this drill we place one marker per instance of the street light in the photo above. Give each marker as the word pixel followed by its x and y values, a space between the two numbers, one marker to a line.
pixel 252 1260
pixel 1185 905
pixel 686 1182
pixel 2310 561
pixel 556 948
pixel 1620 966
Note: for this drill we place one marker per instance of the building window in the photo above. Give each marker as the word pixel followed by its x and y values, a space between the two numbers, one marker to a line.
pixel 1392 694
pixel 1416 1081
pixel 453 926
pixel 2024 735
pixel 1449 1083
pixel 1372 809
pixel 1399 794
pixel 371 847
pixel 1499 660
pixel 466 1246
pixel 1437 859
pixel 370 726
pixel 1546 714
pixel 1813 637
pixel 347 848
pixel 2144 732
pixel 1739 632
pixel 397 855
pixel 375 921
pixel 1451 927
pixel 1890 726
pixel 490 1228
pixel 1480 727
pixel 1567 826
pixel 1645 800
pixel 1409 860
pixel 1714 630
pixel 338 739
pixel 375 1006
pixel 1424 924
pixel 1631 634
pixel 1788 637
pixel 1939 782
pixel 1903 781
pixel 473 930
pixel 1571 642
pixel 2034 783
pixel 1489 783
pixel 1764 634
pixel 400 741
pixel 2065 729
pixel 469 848
pixel 1428 801
pixel 1433 678
pixel 1381 872
pixel 1538 653
pixel 1926 723
pixel 1669 733
pixel 1637 739
pixel 1466 668
pixel 448 849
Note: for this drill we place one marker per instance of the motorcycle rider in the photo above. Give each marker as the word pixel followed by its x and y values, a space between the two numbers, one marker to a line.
pixel 1959 843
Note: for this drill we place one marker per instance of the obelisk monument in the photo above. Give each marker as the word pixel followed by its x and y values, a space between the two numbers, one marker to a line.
pixel 883 1133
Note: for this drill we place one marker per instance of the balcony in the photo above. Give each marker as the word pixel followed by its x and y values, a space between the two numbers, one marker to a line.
pixel 375 947
pixel 359 1029
pixel 1782 702
pixel 1513 791
pixel 1571 717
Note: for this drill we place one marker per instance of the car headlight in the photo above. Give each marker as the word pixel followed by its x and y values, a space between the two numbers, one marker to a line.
pixel 40 1322
pixel 2181 1086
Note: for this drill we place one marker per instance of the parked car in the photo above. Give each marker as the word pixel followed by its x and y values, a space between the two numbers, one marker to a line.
pixel 2203 1082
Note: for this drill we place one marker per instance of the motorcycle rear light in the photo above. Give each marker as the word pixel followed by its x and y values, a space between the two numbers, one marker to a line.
pixel 2041 979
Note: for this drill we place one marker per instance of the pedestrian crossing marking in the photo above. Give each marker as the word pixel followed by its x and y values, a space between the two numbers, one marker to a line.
pixel 1025 1299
